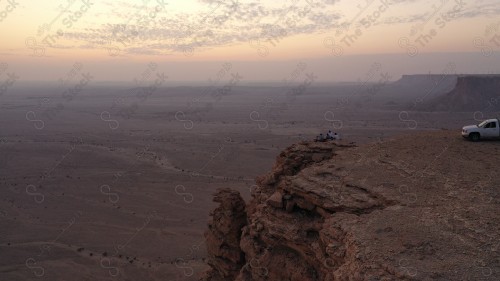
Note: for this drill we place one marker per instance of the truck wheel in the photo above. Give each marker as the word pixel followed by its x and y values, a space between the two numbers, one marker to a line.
pixel 474 137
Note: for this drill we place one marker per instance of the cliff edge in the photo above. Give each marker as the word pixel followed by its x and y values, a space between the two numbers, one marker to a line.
pixel 418 207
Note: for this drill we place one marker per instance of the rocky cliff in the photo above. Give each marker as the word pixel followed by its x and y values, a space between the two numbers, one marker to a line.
pixel 421 84
pixel 471 93
pixel 420 207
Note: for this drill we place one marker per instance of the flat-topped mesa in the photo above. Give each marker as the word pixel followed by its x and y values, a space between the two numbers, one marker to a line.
pixel 419 85
pixel 393 210
pixel 471 93
pixel 428 80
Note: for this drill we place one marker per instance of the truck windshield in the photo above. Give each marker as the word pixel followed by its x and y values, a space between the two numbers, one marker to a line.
pixel 483 124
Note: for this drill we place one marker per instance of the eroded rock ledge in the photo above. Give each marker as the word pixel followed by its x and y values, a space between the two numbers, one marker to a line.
pixel 223 236
pixel 393 210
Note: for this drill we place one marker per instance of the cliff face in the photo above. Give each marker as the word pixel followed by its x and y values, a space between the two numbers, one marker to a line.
pixel 434 83
pixel 223 236
pixel 416 208
pixel 471 93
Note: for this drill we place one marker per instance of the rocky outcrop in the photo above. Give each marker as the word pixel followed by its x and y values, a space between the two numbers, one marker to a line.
pixel 471 93
pixel 393 210
pixel 422 84
pixel 223 236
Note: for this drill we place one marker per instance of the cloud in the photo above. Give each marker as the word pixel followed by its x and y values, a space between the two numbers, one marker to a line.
pixel 452 10
pixel 225 22
pixel 232 21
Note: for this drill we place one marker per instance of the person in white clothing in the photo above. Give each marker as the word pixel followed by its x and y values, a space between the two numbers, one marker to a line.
pixel 330 135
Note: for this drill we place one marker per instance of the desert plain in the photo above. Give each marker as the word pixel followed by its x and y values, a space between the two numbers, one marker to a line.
pixel 115 184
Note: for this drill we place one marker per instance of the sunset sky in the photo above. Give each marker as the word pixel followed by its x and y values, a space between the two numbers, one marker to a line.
pixel 263 40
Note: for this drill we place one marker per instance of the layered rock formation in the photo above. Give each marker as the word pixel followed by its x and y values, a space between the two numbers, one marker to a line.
pixel 422 207
pixel 223 236
pixel 419 85
pixel 471 93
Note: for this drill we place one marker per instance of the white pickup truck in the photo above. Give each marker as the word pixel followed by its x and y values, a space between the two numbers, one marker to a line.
pixel 485 130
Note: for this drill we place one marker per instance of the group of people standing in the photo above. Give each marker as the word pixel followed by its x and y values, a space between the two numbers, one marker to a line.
pixel 329 136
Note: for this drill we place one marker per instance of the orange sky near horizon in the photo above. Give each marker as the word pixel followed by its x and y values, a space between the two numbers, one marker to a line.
pixel 209 31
